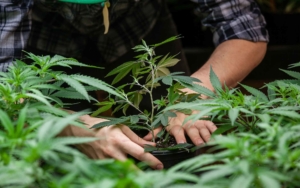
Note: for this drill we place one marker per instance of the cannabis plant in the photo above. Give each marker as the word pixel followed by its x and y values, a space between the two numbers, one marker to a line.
pixel 31 98
pixel 149 71
pixel 259 145
pixel 31 117
pixel 37 84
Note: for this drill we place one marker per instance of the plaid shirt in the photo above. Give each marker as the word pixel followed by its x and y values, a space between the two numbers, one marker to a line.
pixel 66 29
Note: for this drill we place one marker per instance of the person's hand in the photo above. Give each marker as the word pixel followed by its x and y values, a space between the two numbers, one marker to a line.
pixel 199 131
pixel 114 142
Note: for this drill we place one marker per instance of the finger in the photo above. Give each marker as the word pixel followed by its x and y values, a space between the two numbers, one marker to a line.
pixel 116 154
pixel 138 152
pixel 135 138
pixel 178 132
pixel 91 150
pixel 111 147
pixel 211 126
pixel 204 132
pixel 149 136
pixel 194 135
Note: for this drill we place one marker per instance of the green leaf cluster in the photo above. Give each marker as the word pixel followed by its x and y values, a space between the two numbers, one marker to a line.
pixel 257 141
pixel 256 144
pixel 31 117
pixel 149 71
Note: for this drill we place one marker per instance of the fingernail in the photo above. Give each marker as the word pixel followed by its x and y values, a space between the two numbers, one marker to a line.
pixel 199 142
pixel 159 167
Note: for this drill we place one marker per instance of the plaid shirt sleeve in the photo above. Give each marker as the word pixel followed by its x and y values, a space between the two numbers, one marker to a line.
pixel 233 19
pixel 15 24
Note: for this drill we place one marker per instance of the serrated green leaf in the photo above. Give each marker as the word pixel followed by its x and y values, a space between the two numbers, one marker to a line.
pixel 134 119
pixel 166 41
pixel 76 63
pixel 170 114
pixel 162 60
pixel 290 114
pixel 242 181
pixel 214 80
pixel 201 114
pixel 271 94
pixel 220 172
pixel 293 65
pixel 169 62
pixel 98 84
pixel 264 117
pixel 138 97
pixel 50 109
pixel 164 120
pixel 246 111
pixel 124 109
pixel 57 58
pixel 160 133
pixel 256 93
pixel 101 109
pixel 186 79
pixel 200 90
pixel 71 95
pixel 149 148
pixel 38 98
pixel 71 81
pixel 167 80
pixel 46 86
pixel 6 122
pixel 110 122
pixel 233 114
pixel 287 108
pixel 122 68
pixel 162 71
pixel 121 71
pixel 138 47
pixel 222 129
pixel 144 43
pixel 293 74
pixel 183 105
pixel 268 181
pixel 21 121
pixel 156 122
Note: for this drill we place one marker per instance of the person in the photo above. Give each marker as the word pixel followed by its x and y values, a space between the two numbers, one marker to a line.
pixel 77 30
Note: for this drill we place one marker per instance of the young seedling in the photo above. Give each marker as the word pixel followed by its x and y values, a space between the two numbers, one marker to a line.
pixel 149 71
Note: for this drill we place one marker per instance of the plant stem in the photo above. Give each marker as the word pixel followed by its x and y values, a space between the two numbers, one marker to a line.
pixel 151 90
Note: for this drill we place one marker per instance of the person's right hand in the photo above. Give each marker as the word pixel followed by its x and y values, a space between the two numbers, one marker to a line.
pixel 114 142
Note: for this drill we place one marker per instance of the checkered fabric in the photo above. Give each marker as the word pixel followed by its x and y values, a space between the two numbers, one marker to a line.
pixel 67 29
pixel 15 24
pixel 233 19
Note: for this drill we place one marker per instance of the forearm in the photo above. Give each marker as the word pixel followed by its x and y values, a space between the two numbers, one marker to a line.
pixel 232 61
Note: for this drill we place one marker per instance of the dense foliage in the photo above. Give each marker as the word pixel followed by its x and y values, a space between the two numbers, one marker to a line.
pixel 260 142
pixel 256 144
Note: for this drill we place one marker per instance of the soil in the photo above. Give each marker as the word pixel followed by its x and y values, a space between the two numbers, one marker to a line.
pixel 171 142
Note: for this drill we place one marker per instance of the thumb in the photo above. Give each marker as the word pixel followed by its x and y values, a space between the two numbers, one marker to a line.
pixel 149 136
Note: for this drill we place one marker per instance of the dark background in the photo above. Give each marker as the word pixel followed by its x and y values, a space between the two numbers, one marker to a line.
pixel 283 48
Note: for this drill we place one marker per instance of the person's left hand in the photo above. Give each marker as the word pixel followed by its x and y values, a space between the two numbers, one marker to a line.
pixel 199 131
